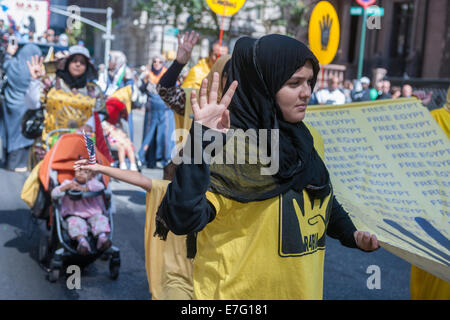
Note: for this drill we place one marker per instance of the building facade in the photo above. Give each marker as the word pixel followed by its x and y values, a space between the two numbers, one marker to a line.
pixel 413 41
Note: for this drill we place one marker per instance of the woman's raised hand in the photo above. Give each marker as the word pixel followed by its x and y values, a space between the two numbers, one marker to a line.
pixel 210 113
pixel 186 46
pixel 36 67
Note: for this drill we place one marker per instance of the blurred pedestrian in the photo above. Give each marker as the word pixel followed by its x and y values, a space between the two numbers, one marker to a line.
pixel 118 76
pixel 407 91
pixel 201 69
pixel 361 91
pixel 396 92
pixel 159 123
pixel 332 94
pixel 50 36
pixel 347 90
pixel 18 75
pixel 385 90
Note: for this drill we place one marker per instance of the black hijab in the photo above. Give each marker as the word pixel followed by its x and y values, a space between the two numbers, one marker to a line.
pixel 76 82
pixel 262 67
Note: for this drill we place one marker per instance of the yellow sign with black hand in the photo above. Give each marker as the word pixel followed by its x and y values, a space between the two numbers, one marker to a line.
pixel 324 32
pixel 225 7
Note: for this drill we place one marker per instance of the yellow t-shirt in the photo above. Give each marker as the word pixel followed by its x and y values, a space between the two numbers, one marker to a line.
pixel 169 272
pixel 272 249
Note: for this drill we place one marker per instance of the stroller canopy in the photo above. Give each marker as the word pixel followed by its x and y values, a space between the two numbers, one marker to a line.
pixel 62 157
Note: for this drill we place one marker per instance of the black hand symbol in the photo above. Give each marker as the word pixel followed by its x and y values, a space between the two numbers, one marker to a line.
pixel 325 27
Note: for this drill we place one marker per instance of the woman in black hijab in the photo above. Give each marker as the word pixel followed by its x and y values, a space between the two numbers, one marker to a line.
pixel 259 236
pixel 72 100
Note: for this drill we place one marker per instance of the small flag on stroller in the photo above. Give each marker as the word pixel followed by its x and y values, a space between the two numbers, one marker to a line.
pixel 90 148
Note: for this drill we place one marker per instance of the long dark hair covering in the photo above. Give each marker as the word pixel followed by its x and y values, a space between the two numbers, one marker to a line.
pixel 262 66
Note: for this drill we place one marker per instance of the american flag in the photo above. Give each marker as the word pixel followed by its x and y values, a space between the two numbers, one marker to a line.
pixel 90 148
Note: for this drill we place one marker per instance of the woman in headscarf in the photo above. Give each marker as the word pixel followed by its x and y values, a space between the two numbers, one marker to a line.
pixel 71 100
pixel 115 77
pixel 261 233
pixel 17 146
pixel 159 120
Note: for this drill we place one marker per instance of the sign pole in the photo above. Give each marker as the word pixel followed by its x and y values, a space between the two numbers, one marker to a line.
pixel 362 44
pixel 221 34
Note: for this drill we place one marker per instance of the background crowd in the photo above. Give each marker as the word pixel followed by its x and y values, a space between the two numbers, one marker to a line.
pixel 159 119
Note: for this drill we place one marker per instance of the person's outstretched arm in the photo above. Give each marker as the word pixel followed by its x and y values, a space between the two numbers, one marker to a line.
pixel 132 177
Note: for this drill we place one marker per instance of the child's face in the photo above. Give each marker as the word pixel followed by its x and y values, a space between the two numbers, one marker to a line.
pixel 82 176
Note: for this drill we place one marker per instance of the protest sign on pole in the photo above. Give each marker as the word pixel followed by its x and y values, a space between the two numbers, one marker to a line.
pixel 389 163
pixel 224 8
pixel 324 33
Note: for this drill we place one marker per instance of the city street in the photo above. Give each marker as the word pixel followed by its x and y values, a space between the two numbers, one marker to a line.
pixel 23 278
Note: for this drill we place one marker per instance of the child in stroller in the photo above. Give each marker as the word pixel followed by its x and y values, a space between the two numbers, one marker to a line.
pixel 79 213
pixel 79 201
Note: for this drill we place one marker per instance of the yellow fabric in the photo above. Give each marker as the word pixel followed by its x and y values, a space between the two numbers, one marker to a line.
pixel 243 253
pixel 218 67
pixel 195 76
pixel 442 117
pixel 179 121
pixel 66 109
pixel 124 95
pixel 30 188
pixel 424 285
pixel 169 271
pixel 184 122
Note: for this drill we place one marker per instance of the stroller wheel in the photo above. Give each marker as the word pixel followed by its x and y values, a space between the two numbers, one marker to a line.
pixel 43 249
pixel 114 264
pixel 54 275
pixel 113 271
pixel 104 256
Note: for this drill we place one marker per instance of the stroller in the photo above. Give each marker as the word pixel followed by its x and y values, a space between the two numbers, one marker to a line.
pixel 56 249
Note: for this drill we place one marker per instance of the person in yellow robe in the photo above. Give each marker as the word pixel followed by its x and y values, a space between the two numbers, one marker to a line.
pixel 425 286
pixel 198 72
pixel 260 233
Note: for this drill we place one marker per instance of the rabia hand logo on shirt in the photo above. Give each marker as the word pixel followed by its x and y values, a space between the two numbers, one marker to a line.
pixel 302 224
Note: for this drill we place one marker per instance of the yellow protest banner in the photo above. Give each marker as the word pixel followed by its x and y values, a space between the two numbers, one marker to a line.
pixel 389 163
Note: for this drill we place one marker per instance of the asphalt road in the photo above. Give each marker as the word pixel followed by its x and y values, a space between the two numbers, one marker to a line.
pixel 21 277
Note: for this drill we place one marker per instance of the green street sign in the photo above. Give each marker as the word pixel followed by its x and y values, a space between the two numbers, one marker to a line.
pixel 371 11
